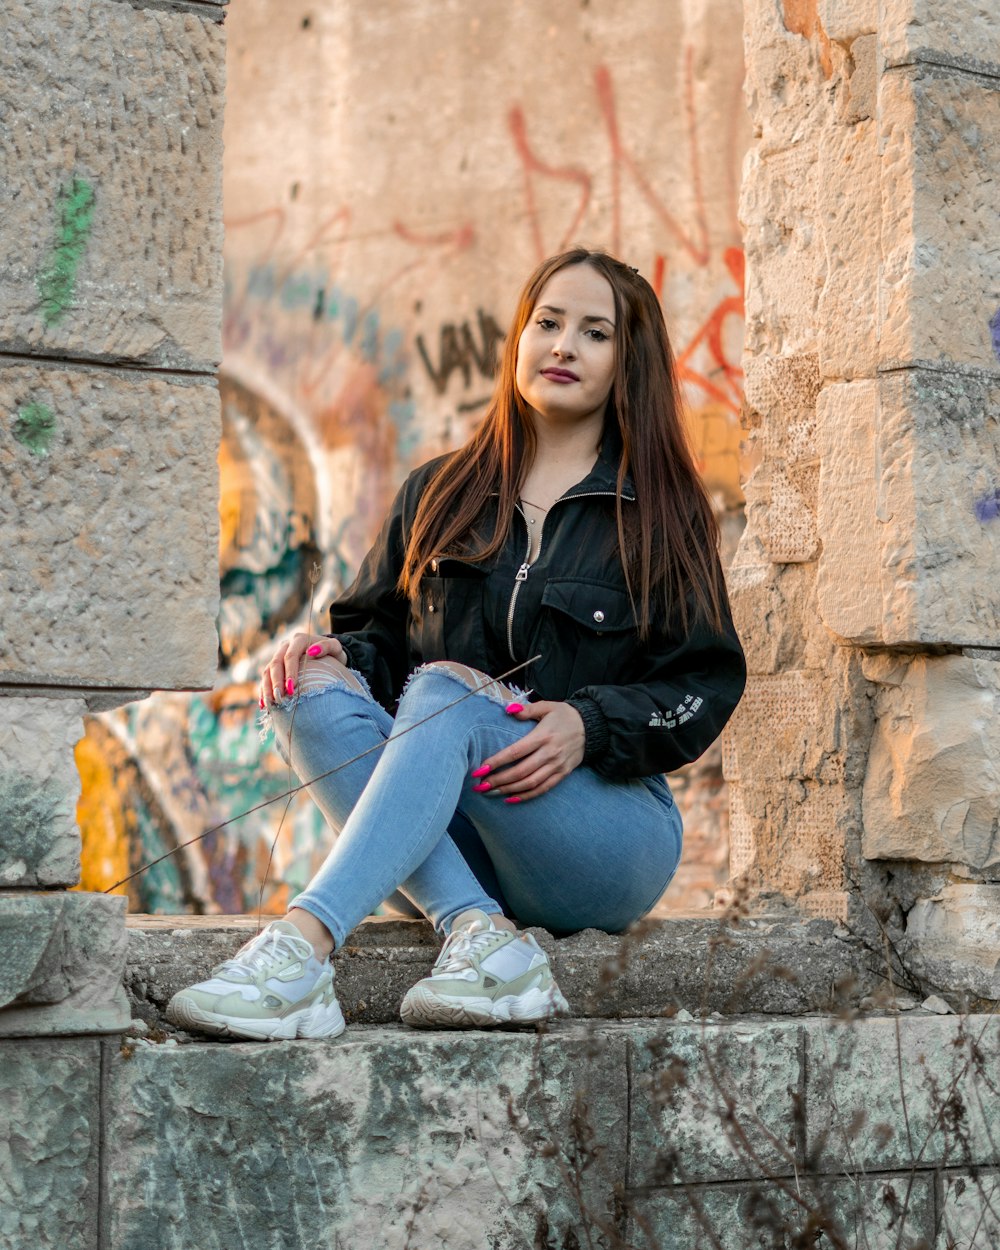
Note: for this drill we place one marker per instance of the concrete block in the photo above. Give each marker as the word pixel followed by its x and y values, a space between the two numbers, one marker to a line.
pixel 111 208
pixel 684 1080
pixel 890 1093
pixel 389 1138
pixel 50 1093
pixel 969 1208
pixel 965 33
pixel 862 1212
pixel 940 144
pixel 39 788
pixel 62 966
pixel 932 787
pixel 849 212
pixel 849 575
pixel 951 941
pixel 108 547
pixel 908 510
pixel 695 963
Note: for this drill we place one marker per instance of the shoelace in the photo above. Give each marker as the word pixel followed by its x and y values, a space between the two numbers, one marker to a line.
pixel 265 946
pixel 461 946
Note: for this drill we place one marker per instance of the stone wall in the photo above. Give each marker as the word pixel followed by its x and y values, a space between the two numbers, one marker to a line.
pixel 392 174
pixel 671 1135
pixel 866 751
pixel 110 300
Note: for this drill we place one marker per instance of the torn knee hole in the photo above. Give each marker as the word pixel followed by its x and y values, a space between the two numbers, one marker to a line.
pixel 324 671
pixel 471 678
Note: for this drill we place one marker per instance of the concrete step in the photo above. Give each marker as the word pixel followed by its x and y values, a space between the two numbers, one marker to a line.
pixel 770 965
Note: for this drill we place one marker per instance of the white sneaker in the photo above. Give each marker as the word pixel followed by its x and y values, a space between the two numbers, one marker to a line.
pixel 273 987
pixel 485 976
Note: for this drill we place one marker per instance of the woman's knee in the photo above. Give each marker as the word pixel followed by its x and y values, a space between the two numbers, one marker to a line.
pixel 471 678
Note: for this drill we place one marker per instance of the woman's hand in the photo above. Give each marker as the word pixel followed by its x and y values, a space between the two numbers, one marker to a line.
pixel 542 758
pixel 280 677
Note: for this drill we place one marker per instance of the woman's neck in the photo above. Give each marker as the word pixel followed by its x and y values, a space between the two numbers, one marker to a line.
pixel 562 458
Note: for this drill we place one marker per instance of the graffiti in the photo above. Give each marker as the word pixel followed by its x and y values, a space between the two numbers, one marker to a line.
pixel 57 281
pixel 34 427
pixel 459 350
pixel 987 507
pixel 995 333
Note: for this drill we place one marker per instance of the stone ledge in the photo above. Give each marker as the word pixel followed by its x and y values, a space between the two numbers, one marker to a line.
pixel 774 966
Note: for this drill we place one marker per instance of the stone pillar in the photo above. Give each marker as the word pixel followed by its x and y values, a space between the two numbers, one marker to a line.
pixel 110 303
pixel 866 585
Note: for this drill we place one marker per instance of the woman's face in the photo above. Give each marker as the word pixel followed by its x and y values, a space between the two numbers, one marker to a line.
pixel 566 352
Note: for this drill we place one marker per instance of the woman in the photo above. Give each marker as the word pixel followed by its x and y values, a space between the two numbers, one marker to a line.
pixel 570 537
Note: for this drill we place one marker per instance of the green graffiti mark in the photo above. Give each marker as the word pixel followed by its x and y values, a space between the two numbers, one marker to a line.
pixel 34 427
pixel 57 281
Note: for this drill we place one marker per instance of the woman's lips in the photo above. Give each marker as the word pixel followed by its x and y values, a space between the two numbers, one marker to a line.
pixel 559 375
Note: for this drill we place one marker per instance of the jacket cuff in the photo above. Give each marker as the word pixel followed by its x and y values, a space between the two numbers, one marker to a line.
pixel 597 736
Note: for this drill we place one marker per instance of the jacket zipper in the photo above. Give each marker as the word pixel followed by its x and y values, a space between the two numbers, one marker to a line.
pixel 522 573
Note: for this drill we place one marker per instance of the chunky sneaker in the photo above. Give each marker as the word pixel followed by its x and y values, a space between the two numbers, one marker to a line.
pixel 484 976
pixel 273 987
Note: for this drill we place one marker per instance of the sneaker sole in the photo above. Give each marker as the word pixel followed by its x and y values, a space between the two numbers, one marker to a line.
pixel 423 1008
pixel 309 1022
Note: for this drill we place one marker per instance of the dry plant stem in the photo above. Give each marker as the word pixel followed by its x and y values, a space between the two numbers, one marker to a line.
pixel 276 798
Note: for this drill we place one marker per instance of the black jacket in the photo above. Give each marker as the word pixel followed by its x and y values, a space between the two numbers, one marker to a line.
pixel 647 707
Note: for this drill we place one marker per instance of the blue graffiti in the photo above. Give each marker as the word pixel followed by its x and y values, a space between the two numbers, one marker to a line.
pixel 995 333
pixel 987 507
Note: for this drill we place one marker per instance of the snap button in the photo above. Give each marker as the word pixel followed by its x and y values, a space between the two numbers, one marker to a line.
pixel 598 616
pixel 431 608
pixel 434 565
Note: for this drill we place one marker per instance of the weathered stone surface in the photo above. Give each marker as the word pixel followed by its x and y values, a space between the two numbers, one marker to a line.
pixel 682 1080
pixel 864 1212
pixel 39 787
pixel 62 966
pixel 49 1091
pixel 952 943
pixel 845 20
pixel 897 1093
pixel 908 510
pixel 940 145
pixel 769 964
pixel 969 1209
pixel 932 788
pixel 384 1138
pixel 111 203
pixel 849 579
pixel 849 212
pixel 964 32
pixel 108 545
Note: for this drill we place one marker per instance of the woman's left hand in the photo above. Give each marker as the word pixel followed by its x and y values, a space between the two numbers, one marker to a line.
pixel 541 758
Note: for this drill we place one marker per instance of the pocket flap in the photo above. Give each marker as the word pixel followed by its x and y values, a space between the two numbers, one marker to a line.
pixel 602 608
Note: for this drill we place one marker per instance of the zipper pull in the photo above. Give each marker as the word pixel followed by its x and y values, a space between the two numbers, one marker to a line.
pixel 522 573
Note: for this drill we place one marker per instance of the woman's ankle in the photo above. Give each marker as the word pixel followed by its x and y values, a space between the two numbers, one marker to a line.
pixel 313 930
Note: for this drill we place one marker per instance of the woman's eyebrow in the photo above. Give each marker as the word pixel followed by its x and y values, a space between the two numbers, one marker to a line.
pixel 561 312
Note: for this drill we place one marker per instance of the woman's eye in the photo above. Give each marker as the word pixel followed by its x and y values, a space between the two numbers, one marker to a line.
pixel 598 336
pixel 546 323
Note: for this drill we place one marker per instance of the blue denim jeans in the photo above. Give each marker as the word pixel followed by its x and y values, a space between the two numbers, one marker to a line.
pixel 590 853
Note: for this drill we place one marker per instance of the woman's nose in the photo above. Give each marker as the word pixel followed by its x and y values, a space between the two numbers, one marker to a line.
pixel 563 346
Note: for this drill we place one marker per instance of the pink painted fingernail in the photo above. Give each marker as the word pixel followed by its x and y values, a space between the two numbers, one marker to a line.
pixel 315 649
pixel 289 686
pixel 262 701
pixel 514 798
pixel 481 772
pixel 483 786
pixel 513 708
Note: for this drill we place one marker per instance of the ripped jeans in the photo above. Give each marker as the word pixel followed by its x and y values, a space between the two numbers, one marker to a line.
pixel 589 853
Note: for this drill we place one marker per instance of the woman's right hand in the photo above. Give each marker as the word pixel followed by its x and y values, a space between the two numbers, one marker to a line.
pixel 280 678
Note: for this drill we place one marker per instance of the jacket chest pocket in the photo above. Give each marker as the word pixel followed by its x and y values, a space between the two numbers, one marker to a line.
pixel 591 629
pixel 450 623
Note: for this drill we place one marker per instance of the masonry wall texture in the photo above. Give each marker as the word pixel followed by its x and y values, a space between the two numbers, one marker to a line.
pixel 110 298
pixel 866 585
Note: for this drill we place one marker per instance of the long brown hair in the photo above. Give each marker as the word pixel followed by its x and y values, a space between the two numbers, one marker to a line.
pixel 668 539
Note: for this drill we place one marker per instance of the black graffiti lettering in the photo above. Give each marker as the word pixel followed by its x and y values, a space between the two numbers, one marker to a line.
pixel 460 350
